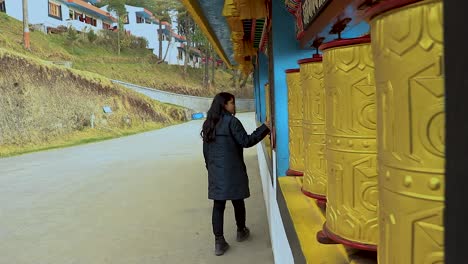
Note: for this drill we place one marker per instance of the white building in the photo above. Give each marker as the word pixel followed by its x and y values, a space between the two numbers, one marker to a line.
pixel 81 15
pixel 84 16
pixel 142 23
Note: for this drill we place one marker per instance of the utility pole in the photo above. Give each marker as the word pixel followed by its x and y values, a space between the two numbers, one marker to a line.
pixel 26 26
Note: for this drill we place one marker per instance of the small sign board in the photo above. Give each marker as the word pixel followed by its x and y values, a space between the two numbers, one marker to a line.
pixel 107 109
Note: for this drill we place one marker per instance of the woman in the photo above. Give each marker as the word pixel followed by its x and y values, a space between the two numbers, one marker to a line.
pixel 224 138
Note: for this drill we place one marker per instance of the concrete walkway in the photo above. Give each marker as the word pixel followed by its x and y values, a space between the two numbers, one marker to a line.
pixel 138 199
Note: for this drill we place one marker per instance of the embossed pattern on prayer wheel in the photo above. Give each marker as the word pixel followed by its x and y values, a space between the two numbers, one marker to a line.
pixel 408 50
pixel 351 149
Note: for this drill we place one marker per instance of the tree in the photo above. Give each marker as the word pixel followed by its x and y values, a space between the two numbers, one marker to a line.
pixel 118 7
pixel 213 66
pixel 204 46
pixel 186 27
pixel 161 10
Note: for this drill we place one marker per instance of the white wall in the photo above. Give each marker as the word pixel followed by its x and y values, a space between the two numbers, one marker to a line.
pixel 196 103
pixel 39 14
pixel 147 31
pixel 281 249
pixel 14 9
pixel 150 33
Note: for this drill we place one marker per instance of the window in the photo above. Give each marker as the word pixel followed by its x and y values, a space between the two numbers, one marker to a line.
pixel 55 10
pixel 78 16
pixel 140 20
pixel 165 37
pixel 181 54
pixel 106 26
pixel 71 14
pixel 2 6
pixel 125 19
pixel 90 20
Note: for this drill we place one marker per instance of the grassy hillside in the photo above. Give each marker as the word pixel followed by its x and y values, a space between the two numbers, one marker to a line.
pixel 46 106
pixel 135 65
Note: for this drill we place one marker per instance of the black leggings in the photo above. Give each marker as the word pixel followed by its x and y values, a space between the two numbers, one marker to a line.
pixel 218 215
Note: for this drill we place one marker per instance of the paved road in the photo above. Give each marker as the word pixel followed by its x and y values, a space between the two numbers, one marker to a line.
pixel 138 199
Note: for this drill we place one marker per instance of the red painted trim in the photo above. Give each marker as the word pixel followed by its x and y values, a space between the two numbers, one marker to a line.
pixel 318 197
pixel 345 42
pixel 346 242
pixel 148 12
pixel 292 70
pixel 294 173
pixel 385 6
pixel 300 35
pixel 26 40
pixel 323 239
pixel 252 30
pixel 315 58
pixel 322 204
pixel 91 7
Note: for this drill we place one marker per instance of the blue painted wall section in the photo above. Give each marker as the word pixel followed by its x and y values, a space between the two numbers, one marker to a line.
pixel 262 80
pixel 256 94
pixel 286 51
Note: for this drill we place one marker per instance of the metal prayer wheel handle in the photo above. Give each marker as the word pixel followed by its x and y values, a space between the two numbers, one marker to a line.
pixel 316 44
pixel 339 26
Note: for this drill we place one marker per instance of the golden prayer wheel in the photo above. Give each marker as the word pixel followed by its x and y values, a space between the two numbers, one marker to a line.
pixel 408 50
pixel 295 115
pixel 351 149
pixel 315 170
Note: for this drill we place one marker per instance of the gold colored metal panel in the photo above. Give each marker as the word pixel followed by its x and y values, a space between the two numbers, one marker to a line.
pixel 408 52
pixel 315 173
pixel 295 114
pixel 351 150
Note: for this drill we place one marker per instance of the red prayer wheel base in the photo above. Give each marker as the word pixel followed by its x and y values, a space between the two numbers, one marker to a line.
pixel 294 173
pixel 320 198
pixel 322 204
pixel 327 237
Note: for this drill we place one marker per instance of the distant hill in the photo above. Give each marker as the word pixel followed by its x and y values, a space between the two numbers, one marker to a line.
pixel 135 64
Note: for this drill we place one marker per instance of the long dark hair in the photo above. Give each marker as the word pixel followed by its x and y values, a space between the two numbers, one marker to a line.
pixel 214 115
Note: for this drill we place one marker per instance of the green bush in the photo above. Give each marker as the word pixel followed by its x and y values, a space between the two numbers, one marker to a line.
pixel 72 35
pixel 92 36
pixel 139 43
pixel 109 39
